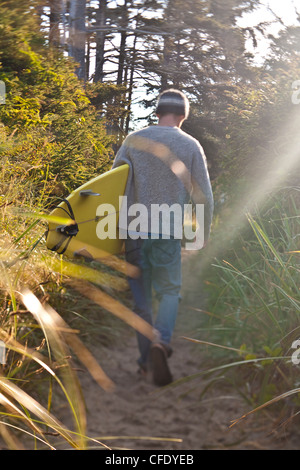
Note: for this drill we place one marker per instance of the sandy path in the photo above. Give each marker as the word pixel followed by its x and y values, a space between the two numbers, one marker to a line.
pixel 136 408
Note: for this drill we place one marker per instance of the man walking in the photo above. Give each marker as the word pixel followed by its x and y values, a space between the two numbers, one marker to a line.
pixel 167 170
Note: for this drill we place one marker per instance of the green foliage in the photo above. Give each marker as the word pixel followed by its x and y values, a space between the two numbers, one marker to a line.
pixel 50 130
pixel 53 130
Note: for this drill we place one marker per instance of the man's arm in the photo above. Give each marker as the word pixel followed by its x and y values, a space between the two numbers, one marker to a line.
pixel 202 191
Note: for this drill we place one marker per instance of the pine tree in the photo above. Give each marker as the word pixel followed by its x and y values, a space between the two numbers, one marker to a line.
pixel 53 126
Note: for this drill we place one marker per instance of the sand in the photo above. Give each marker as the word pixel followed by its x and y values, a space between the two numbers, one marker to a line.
pixel 138 415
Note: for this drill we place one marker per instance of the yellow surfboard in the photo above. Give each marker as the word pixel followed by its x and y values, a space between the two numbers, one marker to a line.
pixel 90 212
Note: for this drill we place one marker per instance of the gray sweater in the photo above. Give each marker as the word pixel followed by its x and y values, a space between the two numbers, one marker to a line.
pixel 167 166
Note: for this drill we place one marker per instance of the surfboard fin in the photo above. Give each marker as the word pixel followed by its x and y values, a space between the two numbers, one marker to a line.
pixel 88 192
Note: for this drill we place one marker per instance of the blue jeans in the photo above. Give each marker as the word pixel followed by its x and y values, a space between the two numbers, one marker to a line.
pixel 160 266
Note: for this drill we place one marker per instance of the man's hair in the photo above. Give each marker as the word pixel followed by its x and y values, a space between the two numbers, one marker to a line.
pixel 172 102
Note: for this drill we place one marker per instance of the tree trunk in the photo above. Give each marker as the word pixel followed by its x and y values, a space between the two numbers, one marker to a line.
pixel 88 58
pixel 54 32
pixel 177 77
pixel 167 48
pixel 78 35
pixel 122 52
pixel 131 83
pixel 165 72
pixel 64 23
pixel 39 11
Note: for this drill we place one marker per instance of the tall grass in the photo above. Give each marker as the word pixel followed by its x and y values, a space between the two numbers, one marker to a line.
pixel 41 349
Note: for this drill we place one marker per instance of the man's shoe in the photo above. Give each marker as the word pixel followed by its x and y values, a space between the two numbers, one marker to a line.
pixel 159 363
